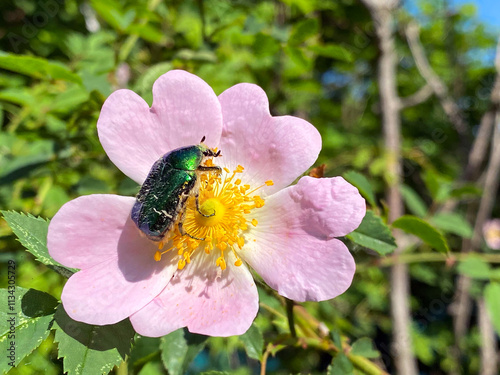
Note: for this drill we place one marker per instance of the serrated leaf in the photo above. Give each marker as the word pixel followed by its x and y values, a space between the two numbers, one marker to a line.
pixel 31 316
pixel 32 233
pixel 414 203
pixel 373 234
pixel 89 349
pixel 333 51
pixel 363 185
pixel 179 349
pixel 340 366
pixel 452 223
pixel 475 267
pixel 423 230
pixel 37 67
pixel 254 342
pixel 364 347
pixel 492 298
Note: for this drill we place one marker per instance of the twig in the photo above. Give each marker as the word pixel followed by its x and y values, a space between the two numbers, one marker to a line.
pixel 462 306
pixel 418 97
pixel 480 146
pixel 488 340
pixel 265 356
pixel 409 258
pixel 449 106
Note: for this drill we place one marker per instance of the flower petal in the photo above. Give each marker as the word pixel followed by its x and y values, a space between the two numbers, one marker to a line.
pixel 134 136
pixel 188 107
pixel 293 248
pixel 86 230
pixel 131 135
pixel 113 290
pixel 277 148
pixel 204 301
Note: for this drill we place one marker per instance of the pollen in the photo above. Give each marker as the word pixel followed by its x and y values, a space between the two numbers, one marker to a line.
pixel 221 222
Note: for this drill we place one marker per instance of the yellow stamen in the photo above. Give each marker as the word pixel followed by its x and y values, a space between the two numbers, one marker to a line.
pixel 224 204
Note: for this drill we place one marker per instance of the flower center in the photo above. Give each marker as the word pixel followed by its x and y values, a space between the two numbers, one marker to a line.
pixel 225 212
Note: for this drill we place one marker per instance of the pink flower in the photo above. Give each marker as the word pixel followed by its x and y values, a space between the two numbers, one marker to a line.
pixel 286 233
pixel 491 233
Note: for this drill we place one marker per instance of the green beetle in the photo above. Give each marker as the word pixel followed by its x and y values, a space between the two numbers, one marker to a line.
pixel 171 181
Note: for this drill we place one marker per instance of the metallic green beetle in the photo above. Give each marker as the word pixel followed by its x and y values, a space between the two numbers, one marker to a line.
pixel 171 181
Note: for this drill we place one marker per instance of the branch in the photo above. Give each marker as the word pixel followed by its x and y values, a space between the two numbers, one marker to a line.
pixel 449 106
pixel 480 146
pixel 463 303
pixel 382 12
pixel 419 97
pixel 488 340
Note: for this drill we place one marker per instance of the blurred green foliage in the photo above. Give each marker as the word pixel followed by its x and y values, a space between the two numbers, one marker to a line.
pixel 316 60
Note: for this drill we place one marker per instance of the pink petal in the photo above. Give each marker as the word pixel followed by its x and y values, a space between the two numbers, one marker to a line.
pixel 115 289
pixel 134 136
pixel 188 107
pixel 293 248
pixel 197 297
pixel 86 230
pixel 277 148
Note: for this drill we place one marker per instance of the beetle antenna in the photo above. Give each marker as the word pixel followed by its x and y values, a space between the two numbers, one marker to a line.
pixel 217 154
pixel 203 139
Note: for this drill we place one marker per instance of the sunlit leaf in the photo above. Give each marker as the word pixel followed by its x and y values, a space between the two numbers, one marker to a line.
pixel 374 234
pixel 423 230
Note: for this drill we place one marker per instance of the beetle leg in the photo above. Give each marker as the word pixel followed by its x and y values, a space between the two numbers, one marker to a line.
pixel 204 168
pixel 184 233
pixel 198 208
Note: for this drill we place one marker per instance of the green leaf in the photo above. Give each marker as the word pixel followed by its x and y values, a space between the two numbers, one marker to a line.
pixel 23 324
pixel 340 366
pixel 492 298
pixel 413 201
pixel 179 349
pixel 88 349
pixel 303 30
pixel 423 230
pixel 32 233
pixel 37 67
pixel 337 340
pixel 373 234
pixel 144 350
pixel 151 368
pixel 333 51
pixel 363 185
pixel 365 348
pixel 475 267
pixel 452 223
pixel 466 191
pixel 254 342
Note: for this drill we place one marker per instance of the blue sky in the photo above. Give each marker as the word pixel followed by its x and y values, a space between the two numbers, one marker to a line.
pixel 488 10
